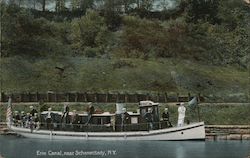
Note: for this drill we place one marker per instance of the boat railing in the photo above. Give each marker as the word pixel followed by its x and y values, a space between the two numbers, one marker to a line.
pixel 80 127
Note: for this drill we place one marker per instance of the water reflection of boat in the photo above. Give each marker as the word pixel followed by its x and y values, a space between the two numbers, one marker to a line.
pixel 103 128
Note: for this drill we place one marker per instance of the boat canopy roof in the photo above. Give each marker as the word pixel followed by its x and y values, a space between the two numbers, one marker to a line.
pixel 105 114
pixel 147 103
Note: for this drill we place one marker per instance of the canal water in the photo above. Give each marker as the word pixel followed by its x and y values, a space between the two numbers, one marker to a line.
pixel 16 147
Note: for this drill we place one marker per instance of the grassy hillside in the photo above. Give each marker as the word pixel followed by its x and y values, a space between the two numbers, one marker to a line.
pixel 198 47
pixel 216 83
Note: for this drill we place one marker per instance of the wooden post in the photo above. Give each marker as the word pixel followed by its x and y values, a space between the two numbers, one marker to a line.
pixel 2 97
pixel 147 96
pixel 67 97
pixel 136 97
pixel 117 97
pixel 85 96
pixel 29 97
pixel 95 97
pixel 177 97
pixel 21 97
pixel 198 107
pixel 107 97
pixel 189 96
pixel 166 97
pixel 158 97
pixel 48 100
pixel 76 97
pixel 199 98
pixel 126 97
pixel 12 97
pixel 56 97
pixel 37 97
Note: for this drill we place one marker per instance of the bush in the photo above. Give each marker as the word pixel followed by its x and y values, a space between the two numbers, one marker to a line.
pixel 91 52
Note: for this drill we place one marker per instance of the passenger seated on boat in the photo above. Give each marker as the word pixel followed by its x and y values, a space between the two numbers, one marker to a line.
pixel 31 122
pixel 22 119
pixel 91 110
pixel 33 110
pixel 165 118
pixel 65 116
pixel 124 119
pixel 27 120
pixel 113 122
pixel 36 121
pixel 75 121
pixel 49 119
pixel 148 116
pixel 73 116
pixel 16 119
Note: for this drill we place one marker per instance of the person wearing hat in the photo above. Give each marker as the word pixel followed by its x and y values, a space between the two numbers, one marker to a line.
pixel 65 116
pixel 31 122
pixel 33 111
pixel 23 117
pixel 73 116
pixel 16 118
pixel 75 121
pixel 36 121
pixel 27 120
pixel 91 111
pixel 165 117
pixel 49 119
pixel 181 114
pixel 149 118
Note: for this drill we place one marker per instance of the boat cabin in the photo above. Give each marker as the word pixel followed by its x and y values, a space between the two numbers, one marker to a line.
pixel 146 106
pixel 118 121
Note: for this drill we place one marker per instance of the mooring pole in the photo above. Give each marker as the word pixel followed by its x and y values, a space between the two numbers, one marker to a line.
pixel 198 107
pixel 199 117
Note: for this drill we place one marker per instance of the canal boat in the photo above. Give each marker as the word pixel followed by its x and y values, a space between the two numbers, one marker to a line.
pixel 103 126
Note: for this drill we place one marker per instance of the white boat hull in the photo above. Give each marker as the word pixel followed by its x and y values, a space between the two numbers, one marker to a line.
pixel 195 131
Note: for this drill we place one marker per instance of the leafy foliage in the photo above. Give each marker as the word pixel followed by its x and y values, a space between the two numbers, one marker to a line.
pixel 90 35
pixel 22 34
pixel 214 33
pixel 205 10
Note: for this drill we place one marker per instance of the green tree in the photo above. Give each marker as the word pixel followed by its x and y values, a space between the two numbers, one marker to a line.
pixel 22 34
pixel 143 7
pixel 86 4
pixel 82 5
pixel 111 14
pixel 75 4
pixel 205 10
pixel 145 38
pixel 88 32
pixel 60 5
pixel 146 4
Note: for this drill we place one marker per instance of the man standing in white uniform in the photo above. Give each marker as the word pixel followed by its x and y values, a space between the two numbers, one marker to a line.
pixel 181 114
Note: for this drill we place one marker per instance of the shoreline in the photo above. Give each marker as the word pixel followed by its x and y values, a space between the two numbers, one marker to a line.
pixel 227 132
pixel 213 132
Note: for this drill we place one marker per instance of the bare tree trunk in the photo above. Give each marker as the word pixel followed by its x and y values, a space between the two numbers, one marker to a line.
pixel 19 3
pixel 57 6
pixel 11 2
pixel 60 5
pixel 43 4
pixel 34 4
pixel 125 3
pixel 138 3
